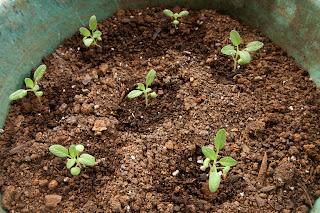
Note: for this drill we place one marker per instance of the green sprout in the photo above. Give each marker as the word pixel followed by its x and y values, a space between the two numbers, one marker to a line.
pixel 94 35
pixel 175 16
pixel 144 89
pixel 226 162
pixel 244 54
pixel 73 157
pixel 32 85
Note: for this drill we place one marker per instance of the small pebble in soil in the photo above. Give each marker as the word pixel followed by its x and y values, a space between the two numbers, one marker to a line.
pixel 53 184
pixel 203 177
pixel 175 173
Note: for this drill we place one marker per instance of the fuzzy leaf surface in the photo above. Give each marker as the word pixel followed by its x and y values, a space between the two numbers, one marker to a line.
pixel 39 72
pixel 150 77
pixel 228 161
pixel 79 148
pixel 134 93
pixel 70 163
pixel 209 153
pixel 87 160
pixel 228 50
pixel 183 13
pixel 97 34
pixel 220 139
pixel 244 57
pixel 214 181
pixel 93 23
pixel 235 38
pixel 38 93
pixel 84 31
pixel 59 151
pixel 73 151
pixel 168 12
pixel 253 46
pixel 28 82
pixel 75 171
pixel 88 41
pixel 18 94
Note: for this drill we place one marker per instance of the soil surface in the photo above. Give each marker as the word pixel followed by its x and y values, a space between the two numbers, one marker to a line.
pixel 148 159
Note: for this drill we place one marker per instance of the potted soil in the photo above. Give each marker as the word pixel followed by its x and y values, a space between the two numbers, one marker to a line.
pixel 148 156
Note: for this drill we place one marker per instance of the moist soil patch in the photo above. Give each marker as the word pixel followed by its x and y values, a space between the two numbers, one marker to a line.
pixel 148 159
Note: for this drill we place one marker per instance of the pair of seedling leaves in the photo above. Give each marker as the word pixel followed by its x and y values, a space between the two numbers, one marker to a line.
pixel 144 89
pixel 32 85
pixel 73 157
pixel 243 54
pixel 211 155
pixel 94 35
pixel 169 13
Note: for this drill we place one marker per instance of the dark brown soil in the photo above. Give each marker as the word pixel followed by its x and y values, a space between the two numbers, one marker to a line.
pixel 148 160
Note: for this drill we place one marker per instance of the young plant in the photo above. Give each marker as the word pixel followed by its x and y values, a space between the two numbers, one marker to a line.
pixel 32 85
pixel 144 89
pixel 175 16
pixel 73 157
pixel 226 162
pixel 243 54
pixel 94 35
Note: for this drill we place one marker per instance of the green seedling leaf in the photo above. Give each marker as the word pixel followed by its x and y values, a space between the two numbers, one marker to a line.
pixel 228 161
pixel 70 163
pixel 148 90
pixel 72 151
pixel 235 37
pixel 209 153
pixel 244 57
pixel 35 88
pixel 85 32
pixel 228 50
pixel 141 86
pixel 99 39
pixel 93 23
pixel 87 41
pixel 226 169
pixel 79 148
pixel 206 163
pixel 75 171
pixel 153 95
pixel 175 22
pixel 28 82
pixel 183 13
pixel 87 160
pixel 134 93
pixel 214 181
pixel 168 12
pixel 150 77
pixel 253 46
pixel 97 34
pixel 38 93
pixel 220 139
pixel 39 72
pixel 59 151
pixel 18 94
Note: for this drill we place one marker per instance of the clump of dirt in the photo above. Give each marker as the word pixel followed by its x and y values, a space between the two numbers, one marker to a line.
pixel 148 159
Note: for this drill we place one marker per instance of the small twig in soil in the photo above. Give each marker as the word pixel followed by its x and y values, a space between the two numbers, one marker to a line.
pixel 85 68
pixel 304 188
pixel 263 169
pixel 158 30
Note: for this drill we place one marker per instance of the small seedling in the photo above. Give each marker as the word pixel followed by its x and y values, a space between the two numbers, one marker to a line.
pixel 94 35
pixel 73 157
pixel 32 85
pixel 144 89
pixel 175 16
pixel 244 54
pixel 226 162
